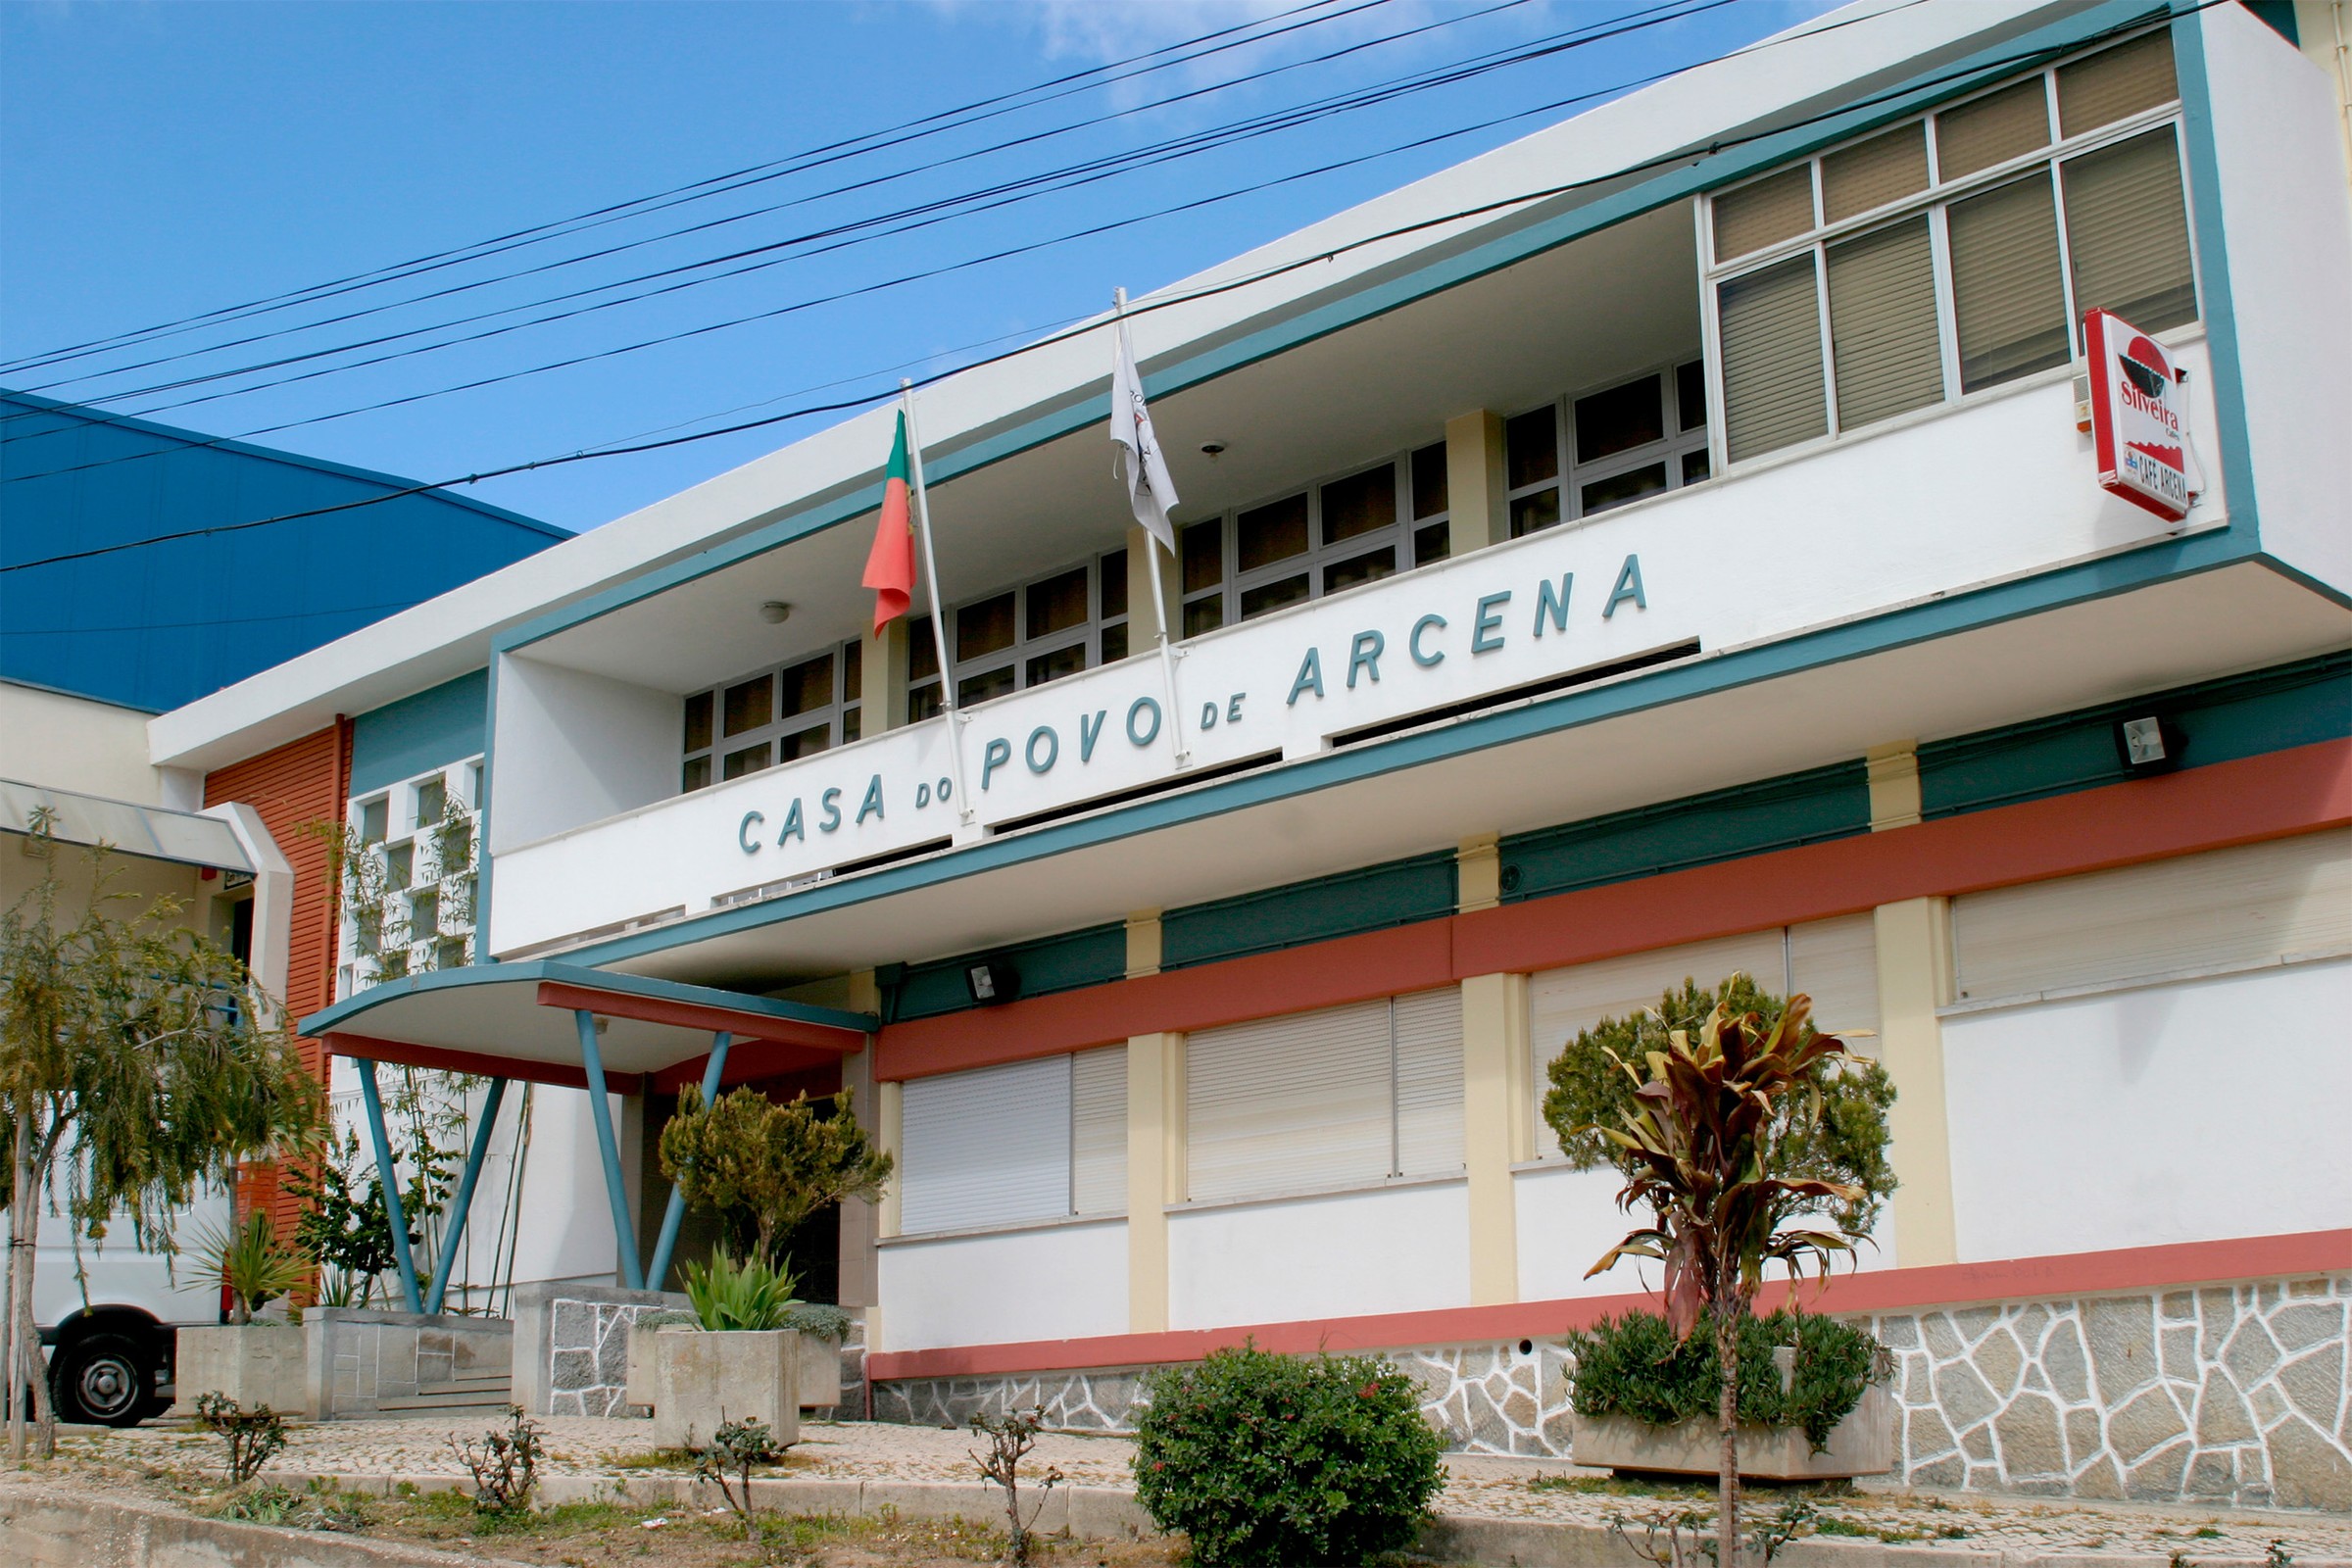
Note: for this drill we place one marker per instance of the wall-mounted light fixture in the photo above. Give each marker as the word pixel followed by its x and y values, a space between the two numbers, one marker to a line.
pixel 992 981
pixel 2151 745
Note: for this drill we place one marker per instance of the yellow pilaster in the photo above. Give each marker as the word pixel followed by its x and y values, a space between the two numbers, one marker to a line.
pixel 882 679
pixel 1894 800
pixel 1142 943
pixel 1476 487
pixel 1143 619
pixel 889 1103
pixel 859 1220
pixel 1478 872
pixel 1154 1172
pixel 1914 979
pixel 1493 1098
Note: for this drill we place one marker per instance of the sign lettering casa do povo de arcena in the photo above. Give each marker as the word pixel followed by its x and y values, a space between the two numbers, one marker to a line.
pixel 2139 416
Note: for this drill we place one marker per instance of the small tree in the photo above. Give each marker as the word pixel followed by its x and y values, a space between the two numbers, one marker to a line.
pixel 1700 1134
pixel 137 1061
pixel 344 1224
pixel 763 1168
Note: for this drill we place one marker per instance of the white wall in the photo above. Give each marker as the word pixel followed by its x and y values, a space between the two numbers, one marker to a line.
pixel 2186 1112
pixel 76 743
pixel 1402 1250
pixel 573 748
pixel 1056 1282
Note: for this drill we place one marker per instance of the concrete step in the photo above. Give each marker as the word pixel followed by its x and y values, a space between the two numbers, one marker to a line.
pixel 469 1393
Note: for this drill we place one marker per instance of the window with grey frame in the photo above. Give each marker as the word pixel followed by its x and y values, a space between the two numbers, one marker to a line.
pixel 1581 455
pixel 1322 539
pixel 1953 252
pixel 1039 631
pixel 773 715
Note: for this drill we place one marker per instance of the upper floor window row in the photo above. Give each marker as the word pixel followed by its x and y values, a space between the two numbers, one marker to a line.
pixel 1039 631
pixel 804 707
pixel 1580 454
pixel 1950 253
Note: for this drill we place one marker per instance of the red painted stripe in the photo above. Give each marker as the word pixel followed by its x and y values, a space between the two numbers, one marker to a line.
pixel 402 1053
pixel 2256 797
pixel 745 1026
pixel 2134 1268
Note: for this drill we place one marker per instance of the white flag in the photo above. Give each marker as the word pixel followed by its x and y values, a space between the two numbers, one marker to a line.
pixel 1150 490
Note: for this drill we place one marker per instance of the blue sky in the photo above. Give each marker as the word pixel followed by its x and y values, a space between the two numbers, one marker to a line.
pixel 169 159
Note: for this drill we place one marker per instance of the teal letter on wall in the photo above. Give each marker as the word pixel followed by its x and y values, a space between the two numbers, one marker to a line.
pixel 743 832
pixel 1489 621
pixel 1412 644
pixel 997 753
pixel 794 826
pixel 1365 656
pixel 1629 586
pixel 831 802
pixel 1311 677
pixel 1088 734
pixel 1556 609
pixel 871 806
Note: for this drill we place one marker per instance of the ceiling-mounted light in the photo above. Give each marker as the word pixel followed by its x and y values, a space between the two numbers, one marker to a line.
pixel 775 611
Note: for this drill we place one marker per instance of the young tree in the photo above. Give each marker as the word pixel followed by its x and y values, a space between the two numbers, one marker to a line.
pixel 764 1168
pixel 1698 1132
pixel 137 1061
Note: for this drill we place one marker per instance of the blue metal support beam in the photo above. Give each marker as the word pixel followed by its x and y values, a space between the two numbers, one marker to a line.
pixel 672 1216
pixel 385 1174
pixel 624 1234
pixel 463 1202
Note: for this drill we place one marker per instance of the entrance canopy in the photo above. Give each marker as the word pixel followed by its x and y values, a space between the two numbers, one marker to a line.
pixel 520 1020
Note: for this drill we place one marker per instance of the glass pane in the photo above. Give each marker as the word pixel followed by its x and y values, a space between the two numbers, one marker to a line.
pixel 1530 446
pixel 1370 566
pixel 981 687
pixel 2127 232
pixel 922 651
pixel 1203 555
pixel 1270 533
pixel 400 864
pixel 1057 604
pixel 1432 542
pixel 923 702
pixel 750 706
pixel 984 628
pixel 804 743
pixel 1759 214
pixel 1360 504
pixel 1114 643
pixel 1204 615
pixel 1690 394
pixel 1870 173
pixel 751 759
pixel 1057 663
pixel 1429 482
pixel 2116 82
pixel 1772 382
pixel 852 669
pixel 1619 488
pixel 2008 299
pixel 1538 511
pixel 1992 129
pixel 1694 465
pixel 1620 420
pixel 376 821
pixel 1268 597
pixel 852 724
pixel 806 687
pixel 698 722
pixel 698 774
pixel 1114 584
pixel 1883 324
pixel 432 802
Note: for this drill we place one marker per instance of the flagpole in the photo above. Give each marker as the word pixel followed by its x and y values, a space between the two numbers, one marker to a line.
pixel 939 609
pixel 1159 597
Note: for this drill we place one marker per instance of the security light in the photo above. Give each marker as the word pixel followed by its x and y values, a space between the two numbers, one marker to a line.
pixel 2150 745
pixel 992 981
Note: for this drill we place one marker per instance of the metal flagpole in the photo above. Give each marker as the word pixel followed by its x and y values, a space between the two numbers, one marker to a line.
pixel 1159 597
pixel 939 608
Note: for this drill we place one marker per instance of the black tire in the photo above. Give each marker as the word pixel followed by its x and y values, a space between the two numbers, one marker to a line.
pixel 103 1380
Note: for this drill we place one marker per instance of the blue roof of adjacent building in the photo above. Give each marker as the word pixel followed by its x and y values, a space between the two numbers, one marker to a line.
pixel 165 623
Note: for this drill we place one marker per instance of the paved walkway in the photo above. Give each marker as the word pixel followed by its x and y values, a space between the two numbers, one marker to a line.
pixel 1513 1489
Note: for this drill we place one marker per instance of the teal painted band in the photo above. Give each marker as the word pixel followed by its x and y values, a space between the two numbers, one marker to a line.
pixel 462 1203
pixel 607 1149
pixel 387 1177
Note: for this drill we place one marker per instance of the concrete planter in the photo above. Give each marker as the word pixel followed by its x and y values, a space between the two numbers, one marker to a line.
pixel 1861 1445
pixel 700 1380
pixel 816 1378
pixel 253 1364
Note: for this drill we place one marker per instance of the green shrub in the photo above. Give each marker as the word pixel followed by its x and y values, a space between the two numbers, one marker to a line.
pixel 1634 1366
pixel 818 1320
pixel 1283 1461
pixel 728 1295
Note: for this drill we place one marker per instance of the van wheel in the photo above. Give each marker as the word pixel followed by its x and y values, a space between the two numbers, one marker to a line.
pixel 104 1380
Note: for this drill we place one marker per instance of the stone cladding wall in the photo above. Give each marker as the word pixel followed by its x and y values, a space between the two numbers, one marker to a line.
pixel 588 1348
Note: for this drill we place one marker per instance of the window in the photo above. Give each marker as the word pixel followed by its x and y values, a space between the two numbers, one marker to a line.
pixel 1585 454
pixel 804 707
pixel 408 894
pixel 1832 961
pixel 2261 903
pixel 1058 626
pixel 1951 253
pixel 1030 1141
pixel 1345 1096
pixel 1331 536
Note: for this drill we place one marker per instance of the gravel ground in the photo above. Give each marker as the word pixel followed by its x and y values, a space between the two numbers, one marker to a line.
pixel 1530 1490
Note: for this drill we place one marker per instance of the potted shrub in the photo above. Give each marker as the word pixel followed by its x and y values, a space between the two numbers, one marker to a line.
pixel 254 1363
pixel 734 1361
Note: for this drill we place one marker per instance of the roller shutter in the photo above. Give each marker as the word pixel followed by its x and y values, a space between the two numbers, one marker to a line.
pixel 988 1146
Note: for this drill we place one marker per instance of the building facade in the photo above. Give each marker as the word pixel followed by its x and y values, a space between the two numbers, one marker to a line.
pixel 1668 546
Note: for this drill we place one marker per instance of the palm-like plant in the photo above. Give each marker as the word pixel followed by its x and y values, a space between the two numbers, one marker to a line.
pixel 728 1295
pixel 249 1262
pixel 1698 1135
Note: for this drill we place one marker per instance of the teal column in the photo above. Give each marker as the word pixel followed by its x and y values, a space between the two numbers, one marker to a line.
pixel 373 1101
pixel 463 1202
pixel 624 1234
pixel 667 1241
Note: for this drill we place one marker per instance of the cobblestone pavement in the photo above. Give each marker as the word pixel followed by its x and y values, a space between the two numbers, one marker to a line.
pixel 1491 1486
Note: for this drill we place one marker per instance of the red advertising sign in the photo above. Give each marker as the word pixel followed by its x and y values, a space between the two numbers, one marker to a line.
pixel 2138 418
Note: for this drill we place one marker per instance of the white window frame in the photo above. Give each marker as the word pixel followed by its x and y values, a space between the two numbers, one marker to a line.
pixel 456 896
pixel 1671 450
pixel 1087 634
pixel 833 716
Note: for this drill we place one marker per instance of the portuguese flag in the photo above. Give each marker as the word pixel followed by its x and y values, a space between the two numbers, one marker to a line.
pixel 890 565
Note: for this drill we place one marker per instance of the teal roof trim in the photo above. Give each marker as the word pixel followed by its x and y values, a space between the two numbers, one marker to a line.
pixel 343 1015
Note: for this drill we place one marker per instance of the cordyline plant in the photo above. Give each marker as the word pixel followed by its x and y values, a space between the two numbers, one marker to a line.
pixel 763 1168
pixel 1698 1132
pixel 137 1062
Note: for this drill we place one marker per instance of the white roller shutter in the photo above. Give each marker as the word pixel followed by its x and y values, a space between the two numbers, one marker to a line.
pixel 1281 1104
pixel 1099 1131
pixel 2261 902
pixel 1835 963
pixel 1429 1082
pixel 989 1147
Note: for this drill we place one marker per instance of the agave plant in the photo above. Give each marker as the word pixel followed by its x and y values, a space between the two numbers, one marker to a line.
pixel 249 1262
pixel 1697 1135
pixel 730 1296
